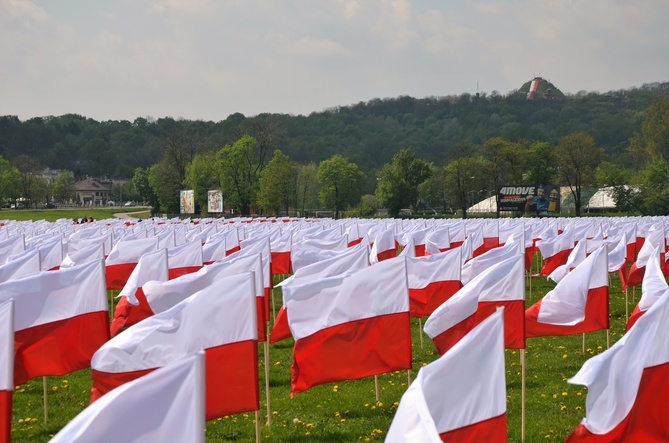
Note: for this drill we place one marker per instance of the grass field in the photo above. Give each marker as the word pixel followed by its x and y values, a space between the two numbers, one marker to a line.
pixel 56 214
pixel 348 411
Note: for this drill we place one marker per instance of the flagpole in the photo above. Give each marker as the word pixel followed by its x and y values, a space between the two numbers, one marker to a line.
pixel 273 305
pixel 376 387
pixel 46 405
pixel 111 310
pixel 627 314
pixel 608 338
pixel 583 345
pixel 269 408
pixel 420 331
pixel 258 426
pixel 409 377
pixel 522 395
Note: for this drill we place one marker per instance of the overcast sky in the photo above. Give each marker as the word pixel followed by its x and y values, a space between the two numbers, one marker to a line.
pixel 207 59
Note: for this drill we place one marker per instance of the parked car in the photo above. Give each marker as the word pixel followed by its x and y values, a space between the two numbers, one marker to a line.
pixel 20 206
pixel 111 203
pixel 49 206
pixel 130 203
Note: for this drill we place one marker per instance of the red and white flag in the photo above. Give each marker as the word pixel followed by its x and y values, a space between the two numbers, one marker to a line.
pixel 213 249
pixel 162 296
pixel 437 241
pixel 280 248
pixel 654 240
pixel 555 251
pixel 627 384
pixel 124 257
pixel 310 251
pixel 350 326
pixel 578 304
pixel 27 263
pixel 53 311
pixel 576 257
pixel 433 279
pixel 356 257
pixel 84 255
pixel 192 325
pixel 132 306
pixel 383 246
pixel 166 405
pixel 6 369
pixel 50 253
pixel 653 287
pixel 461 397
pixel 12 246
pixel 476 265
pixel 502 284
pixel 184 259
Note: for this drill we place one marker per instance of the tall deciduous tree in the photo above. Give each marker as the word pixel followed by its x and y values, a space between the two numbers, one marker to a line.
pixel 578 157
pixel 503 163
pixel 399 181
pixel 29 184
pixel 278 181
pixel 237 166
pixel 140 181
pixel 9 180
pixel 460 176
pixel 341 183
pixel 307 188
pixel 63 186
pixel 202 175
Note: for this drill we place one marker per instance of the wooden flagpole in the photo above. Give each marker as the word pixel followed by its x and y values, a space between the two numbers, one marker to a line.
pixel 46 404
pixel 258 426
pixel 269 408
pixel 583 345
pixel 522 395
pixel 111 310
pixel 608 338
pixel 627 314
pixel 408 378
pixel 420 331
pixel 273 305
pixel 376 388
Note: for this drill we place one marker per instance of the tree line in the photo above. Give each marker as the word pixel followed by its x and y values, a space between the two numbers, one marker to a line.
pixel 407 153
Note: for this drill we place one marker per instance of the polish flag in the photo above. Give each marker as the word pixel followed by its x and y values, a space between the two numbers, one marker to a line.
pixel 576 257
pixel 383 246
pixel 189 326
pixel 104 240
pixel 12 246
pixel 490 233
pixel 477 244
pixel 281 253
pixel 653 287
pixel 132 306
pixel 418 238
pixel 555 251
pixel 461 396
pixel 437 241
pixel 502 284
pixel 6 368
pixel 309 251
pixel 617 259
pixel 350 326
pixel 654 240
pixel 261 247
pixel 50 253
pixel 627 384
pixel 354 258
pixel 213 249
pixel 457 234
pixel 163 295
pixel 185 258
pixel 23 265
pixel 166 405
pixel 124 257
pixel 52 311
pixel 84 255
pixel 432 280
pixel 476 265
pixel 578 304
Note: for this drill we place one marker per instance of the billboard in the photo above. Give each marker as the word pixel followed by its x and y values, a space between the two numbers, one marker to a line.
pixel 214 201
pixel 539 199
pixel 187 202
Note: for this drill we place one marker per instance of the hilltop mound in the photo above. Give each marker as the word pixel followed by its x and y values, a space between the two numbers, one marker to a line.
pixel 539 88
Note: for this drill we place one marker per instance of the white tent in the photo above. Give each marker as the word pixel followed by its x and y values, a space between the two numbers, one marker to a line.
pixel 484 206
pixel 602 199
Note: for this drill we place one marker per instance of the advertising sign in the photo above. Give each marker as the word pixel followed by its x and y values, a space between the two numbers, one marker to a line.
pixel 187 202
pixel 538 199
pixel 214 201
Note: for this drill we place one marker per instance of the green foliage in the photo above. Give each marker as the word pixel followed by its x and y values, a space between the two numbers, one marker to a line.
pixel 341 183
pixel 201 176
pixel 578 157
pixel 278 184
pixel 307 188
pixel 399 181
pixel 655 129
pixel 237 166
pixel 166 185
pixel 140 181
pixel 367 206
pixel 9 180
pixel 540 163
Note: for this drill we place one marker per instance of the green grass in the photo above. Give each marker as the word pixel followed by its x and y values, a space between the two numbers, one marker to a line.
pixel 347 411
pixel 56 214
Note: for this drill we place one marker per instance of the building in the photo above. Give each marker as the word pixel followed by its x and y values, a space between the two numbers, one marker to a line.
pixel 93 192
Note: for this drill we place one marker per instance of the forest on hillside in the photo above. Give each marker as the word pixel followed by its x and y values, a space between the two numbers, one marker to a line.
pixel 369 134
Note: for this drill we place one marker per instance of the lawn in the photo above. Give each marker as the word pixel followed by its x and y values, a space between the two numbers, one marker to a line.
pixel 348 411
pixel 56 214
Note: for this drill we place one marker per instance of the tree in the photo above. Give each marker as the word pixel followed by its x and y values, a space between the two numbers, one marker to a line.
pixel 278 182
pixel 399 181
pixel 202 175
pixel 165 183
pixel 306 187
pixel 140 181
pixel 29 184
pixel 655 129
pixel 237 166
pixel 578 156
pixel 341 183
pixel 460 176
pixel 63 186
pixel 10 178
pixel 540 163
pixel 503 163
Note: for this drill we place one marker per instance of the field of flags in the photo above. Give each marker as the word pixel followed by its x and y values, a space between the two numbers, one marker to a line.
pixel 189 334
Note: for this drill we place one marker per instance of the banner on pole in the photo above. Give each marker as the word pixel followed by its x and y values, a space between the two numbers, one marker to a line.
pixel 187 202
pixel 214 201
pixel 539 199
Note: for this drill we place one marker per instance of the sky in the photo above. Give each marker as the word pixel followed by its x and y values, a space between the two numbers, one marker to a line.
pixel 208 59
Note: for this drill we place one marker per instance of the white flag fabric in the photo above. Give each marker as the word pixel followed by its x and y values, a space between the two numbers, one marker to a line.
pixel 86 254
pixel 165 405
pixel 22 265
pixel 576 256
pixel 459 397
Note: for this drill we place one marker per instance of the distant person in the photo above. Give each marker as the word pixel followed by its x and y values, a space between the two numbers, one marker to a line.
pixel 540 201
pixel 90 219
